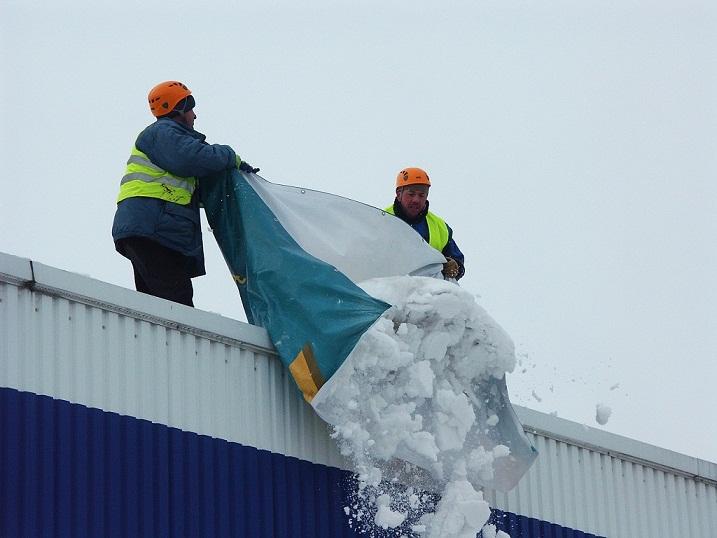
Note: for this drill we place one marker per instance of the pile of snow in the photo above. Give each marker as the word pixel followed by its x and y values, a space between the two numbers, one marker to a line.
pixel 426 386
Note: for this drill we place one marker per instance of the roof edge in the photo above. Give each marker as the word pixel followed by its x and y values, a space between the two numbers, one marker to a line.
pixel 87 290
pixel 612 444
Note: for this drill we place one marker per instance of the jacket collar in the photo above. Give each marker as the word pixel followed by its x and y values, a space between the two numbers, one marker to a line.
pixel 190 131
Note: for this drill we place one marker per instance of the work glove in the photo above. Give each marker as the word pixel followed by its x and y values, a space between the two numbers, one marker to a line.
pixel 246 167
pixel 451 268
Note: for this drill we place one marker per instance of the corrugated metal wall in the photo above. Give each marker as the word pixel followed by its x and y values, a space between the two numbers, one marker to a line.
pixel 75 472
pixel 611 495
pixel 89 343
pixel 81 353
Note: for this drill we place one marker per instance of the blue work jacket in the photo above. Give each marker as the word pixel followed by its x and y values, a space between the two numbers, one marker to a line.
pixel 184 152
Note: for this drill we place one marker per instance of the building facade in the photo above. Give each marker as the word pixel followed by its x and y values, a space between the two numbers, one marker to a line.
pixel 126 415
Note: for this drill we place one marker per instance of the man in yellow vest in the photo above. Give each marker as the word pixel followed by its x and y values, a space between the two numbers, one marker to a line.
pixel 411 206
pixel 157 225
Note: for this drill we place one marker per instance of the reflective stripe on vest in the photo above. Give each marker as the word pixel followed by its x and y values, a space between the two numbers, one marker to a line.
pixel 437 229
pixel 144 178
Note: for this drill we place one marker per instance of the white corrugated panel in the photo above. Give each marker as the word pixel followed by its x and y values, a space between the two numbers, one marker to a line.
pixel 228 385
pixel 604 484
pixel 84 341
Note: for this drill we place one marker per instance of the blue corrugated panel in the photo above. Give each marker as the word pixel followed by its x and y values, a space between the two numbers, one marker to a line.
pixel 71 471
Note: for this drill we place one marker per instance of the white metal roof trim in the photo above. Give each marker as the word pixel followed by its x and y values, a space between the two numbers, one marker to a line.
pixel 616 445
pixel 14 269
pixel 85 289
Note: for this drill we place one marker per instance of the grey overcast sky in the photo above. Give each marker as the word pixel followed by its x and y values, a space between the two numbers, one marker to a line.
pixel 572 146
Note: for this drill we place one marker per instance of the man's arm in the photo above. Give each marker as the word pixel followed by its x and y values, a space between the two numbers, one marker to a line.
pixel 183 155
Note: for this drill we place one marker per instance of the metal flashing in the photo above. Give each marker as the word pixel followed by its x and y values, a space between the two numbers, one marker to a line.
pixel 616 445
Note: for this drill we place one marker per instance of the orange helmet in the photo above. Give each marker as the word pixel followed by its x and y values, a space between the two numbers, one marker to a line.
pixel 412 176
pixel 165 95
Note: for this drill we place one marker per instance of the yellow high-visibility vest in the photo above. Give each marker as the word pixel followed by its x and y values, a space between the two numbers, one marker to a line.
pixel 437 229
pixel 144 178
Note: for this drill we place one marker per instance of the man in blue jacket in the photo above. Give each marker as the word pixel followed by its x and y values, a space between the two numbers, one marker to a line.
pixel 157 224
pixel 411 206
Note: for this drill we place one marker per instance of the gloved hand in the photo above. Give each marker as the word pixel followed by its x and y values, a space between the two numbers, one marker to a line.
pixel 451 268
pixel 246 167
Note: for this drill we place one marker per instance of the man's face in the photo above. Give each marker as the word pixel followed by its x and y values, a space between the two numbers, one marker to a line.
pixel 413 199
pixel 187 118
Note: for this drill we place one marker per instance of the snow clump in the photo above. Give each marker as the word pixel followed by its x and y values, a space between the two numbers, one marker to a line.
pixel 602 413
pixel 490 531
pixel 405 412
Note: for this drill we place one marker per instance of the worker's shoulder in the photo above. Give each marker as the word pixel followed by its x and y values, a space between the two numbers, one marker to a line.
pixel 162 125
pixel 164 131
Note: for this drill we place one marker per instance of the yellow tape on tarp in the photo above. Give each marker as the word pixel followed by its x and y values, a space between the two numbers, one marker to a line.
pixel 306 373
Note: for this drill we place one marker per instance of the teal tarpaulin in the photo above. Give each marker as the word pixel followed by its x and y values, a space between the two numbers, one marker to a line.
pixel 299 258
pixel 314 314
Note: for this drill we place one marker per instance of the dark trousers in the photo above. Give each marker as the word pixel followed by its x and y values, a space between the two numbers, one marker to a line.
pixel 158 270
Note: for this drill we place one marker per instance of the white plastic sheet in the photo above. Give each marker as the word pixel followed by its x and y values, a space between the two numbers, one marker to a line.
pixel 361 241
